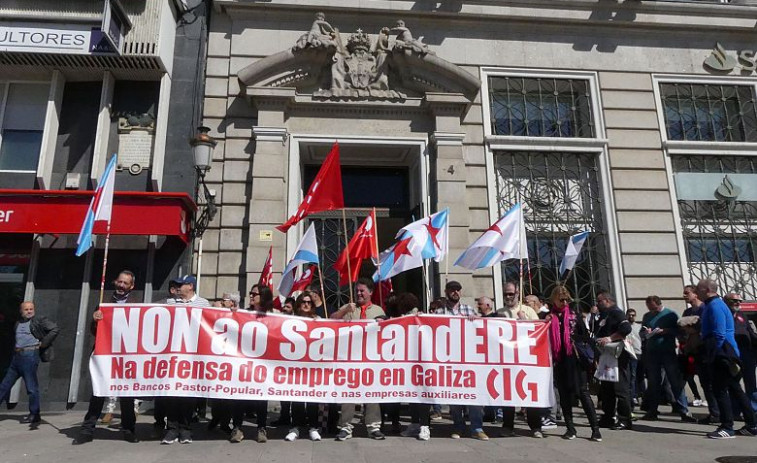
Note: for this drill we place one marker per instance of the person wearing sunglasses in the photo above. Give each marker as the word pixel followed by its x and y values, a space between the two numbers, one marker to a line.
pixel 261 301
pixel 746 339
pixel 572 355
pixel 537 419
pixel 513 307
pixel 304 414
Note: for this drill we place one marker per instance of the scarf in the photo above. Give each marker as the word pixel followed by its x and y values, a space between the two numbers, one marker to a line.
pixel 555 338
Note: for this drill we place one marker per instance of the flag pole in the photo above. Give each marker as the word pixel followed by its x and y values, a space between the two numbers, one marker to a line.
pixel 105 261
pixel 520 248
pixel 323 293
pixel 320 277
pixel 347 245
pixel 530 280
pixel 378 258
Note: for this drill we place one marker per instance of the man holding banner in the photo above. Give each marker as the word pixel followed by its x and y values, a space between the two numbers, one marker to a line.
pixel 363 310
pixel 179 409
pixel 453 290
pixel 124 284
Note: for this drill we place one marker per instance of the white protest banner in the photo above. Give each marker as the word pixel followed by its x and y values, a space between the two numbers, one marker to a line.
pixel 164 350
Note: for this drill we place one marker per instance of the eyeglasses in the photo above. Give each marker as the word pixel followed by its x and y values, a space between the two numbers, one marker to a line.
pixel 734 302
pixel 253 294
pixel 307 302
pixel 225 299
pixel 564 299
pixel 509 294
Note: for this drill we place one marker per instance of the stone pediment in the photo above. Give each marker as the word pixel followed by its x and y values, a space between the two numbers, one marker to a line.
pixel 391 65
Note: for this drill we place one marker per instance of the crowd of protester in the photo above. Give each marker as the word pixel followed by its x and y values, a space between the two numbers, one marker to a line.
pixel 633 367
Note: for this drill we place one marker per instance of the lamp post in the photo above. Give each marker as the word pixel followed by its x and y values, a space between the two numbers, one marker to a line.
pixel 202 150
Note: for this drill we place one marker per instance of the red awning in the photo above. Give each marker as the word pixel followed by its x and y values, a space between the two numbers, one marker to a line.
pixel 749 306
pixel 63 211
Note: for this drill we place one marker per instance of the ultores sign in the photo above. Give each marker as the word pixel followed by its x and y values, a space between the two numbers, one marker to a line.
pixel 722 61
pixel 56 39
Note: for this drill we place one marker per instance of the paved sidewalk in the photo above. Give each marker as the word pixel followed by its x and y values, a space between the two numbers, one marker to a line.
pixel 666 441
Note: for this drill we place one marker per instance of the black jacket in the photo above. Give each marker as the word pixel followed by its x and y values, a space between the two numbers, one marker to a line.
pixel 46 331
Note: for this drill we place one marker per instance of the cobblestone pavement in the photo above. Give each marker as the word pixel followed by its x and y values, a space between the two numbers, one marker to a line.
pixel 664 441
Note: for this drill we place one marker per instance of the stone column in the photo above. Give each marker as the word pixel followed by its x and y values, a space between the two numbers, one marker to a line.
pixel 268 198
pixel 448 184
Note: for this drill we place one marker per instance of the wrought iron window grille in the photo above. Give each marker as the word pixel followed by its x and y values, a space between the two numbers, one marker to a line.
pixel 541 107
pixel 709 112
pixel 561 195
pixel 720 235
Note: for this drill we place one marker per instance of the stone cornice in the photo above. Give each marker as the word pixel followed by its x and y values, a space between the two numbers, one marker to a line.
pixel 629 14
pixel 447 139
pixel 275 134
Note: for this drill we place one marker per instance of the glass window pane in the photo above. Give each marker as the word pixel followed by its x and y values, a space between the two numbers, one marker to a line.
pixel 561 195
pixel 20 149
pixel 541 107
pixel 720 235
pixel 709 112
pixel 26 106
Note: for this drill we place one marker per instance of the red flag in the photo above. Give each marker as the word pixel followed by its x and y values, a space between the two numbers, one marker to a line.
pixel 363 245
pixel 304 281
pixel 266 275
pixel 325 193
pixel 384 289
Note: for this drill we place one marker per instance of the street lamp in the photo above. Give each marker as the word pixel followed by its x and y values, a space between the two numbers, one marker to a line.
pixel 202 149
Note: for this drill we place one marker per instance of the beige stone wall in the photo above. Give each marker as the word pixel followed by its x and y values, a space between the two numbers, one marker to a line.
pixel 250 175
pixel 643 210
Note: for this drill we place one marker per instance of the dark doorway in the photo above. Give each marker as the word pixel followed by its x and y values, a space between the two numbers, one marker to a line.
pixel 388 189
pixel 15 253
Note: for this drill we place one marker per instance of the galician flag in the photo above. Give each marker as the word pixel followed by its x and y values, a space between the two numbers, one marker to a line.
pixel 505 239
pixel 405 254
pixel 306 253
pixel 575 243
pixel 100 208
pixel 432 233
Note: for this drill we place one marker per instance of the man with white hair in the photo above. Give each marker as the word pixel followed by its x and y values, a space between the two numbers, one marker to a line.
pixel 534 416
pixel 485 306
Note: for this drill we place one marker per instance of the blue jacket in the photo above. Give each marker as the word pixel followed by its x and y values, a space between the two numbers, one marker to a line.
pixel 717 323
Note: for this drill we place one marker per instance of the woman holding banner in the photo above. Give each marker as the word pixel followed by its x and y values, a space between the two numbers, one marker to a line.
pixel 261 300
pixel 572 354
pixel 304 414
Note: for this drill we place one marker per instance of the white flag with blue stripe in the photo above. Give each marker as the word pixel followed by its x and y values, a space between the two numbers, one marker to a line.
pixel 100 208
pixel 431 233
pixel 575 243
pixel 504 239
pixel 306 253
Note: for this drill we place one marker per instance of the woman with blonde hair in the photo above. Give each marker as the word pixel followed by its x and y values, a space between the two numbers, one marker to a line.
pixel 571 353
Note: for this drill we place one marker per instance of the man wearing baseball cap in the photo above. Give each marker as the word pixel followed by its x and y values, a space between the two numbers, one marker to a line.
pixel 179 409
pixel 453 306
pixel 187 292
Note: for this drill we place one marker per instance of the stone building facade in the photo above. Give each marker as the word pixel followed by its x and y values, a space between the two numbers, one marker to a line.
pixel 632 120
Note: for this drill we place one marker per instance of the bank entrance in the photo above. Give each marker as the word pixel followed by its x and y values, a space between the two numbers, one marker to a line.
pixel 387 176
